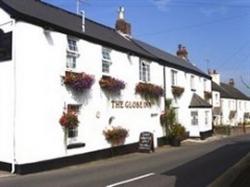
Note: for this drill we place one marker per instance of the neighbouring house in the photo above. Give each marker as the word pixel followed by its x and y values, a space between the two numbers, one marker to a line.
pixel 66 80
pixel 230 105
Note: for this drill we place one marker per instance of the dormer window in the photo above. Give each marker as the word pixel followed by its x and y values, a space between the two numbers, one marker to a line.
pixel 106 60
pixel 72 53
pixel 144 71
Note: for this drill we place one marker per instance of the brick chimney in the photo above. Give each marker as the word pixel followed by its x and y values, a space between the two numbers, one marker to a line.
pixel 231 82
pixel 182 52
pixel 121 25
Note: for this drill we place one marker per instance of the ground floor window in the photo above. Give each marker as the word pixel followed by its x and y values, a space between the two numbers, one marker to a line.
pixel 206 117
pixel 194 117
pixel 72 132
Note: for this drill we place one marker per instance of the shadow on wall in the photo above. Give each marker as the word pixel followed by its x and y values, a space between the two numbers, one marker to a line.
pixel 204 170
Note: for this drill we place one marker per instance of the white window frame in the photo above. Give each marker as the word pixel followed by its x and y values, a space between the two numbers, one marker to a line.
pixel 174 77
pixel 192 82
pixel 72 52
pixel 74 139
pixel 205 84
pixel 206 117
pixel 144 70
pixel 106 60
pixel 194 118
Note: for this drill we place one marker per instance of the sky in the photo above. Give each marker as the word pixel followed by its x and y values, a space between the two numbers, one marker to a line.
pixel 216 33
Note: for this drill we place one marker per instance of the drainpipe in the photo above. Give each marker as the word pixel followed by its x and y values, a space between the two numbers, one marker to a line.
pixel 14 98
pixel 164 86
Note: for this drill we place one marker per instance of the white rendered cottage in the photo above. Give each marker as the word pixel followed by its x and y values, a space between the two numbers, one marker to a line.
pixel 230 105
pixel 42 45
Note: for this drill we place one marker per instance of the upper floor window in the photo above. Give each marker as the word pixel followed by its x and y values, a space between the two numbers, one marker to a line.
pixel 144 70
pixel 205 84
pixel 192 83
pixel 106 60
pixel 72 53
pixel 174 78
pixel 5 46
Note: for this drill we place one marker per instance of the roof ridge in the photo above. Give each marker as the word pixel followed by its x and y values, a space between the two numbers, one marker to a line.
pixel 73 14
pixel 56 7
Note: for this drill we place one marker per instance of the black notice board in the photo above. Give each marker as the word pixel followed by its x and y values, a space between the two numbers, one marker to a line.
pixel 146 142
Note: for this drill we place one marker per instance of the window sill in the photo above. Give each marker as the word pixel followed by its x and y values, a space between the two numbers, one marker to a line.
pixel 75 145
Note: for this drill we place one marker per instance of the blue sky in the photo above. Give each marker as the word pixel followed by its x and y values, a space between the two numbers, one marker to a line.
pixel 216 33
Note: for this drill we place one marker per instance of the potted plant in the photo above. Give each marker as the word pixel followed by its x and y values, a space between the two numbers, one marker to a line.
pixel 177 91
pixel 115 135
pixel 111 84
pixel 207 95
pixel 78 81
pixel 149 91
pixel 177 134
pixel 69 120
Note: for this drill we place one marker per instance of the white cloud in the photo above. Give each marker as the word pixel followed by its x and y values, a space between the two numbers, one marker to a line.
pixel 161 4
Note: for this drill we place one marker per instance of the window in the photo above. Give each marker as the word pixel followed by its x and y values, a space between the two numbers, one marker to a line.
pixel 144 71
pixel 5 46
pixel 192 83
pixel 106 60
pixel 239 105
pixel 206 117
pixel 205 84
pixel 73 132
pixel 194 118
pixel 216 97
pixel 72 45
pixel 72 53
pixel 174 77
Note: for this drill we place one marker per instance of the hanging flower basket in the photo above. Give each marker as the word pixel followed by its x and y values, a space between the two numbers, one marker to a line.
pixel 116 135
pixel 78 81
pixel 111 84
pixel 177 91
pixel 69 120
pixel 149 91
pixel 207 95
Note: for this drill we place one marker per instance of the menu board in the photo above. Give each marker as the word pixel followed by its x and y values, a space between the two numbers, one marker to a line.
pixel 146 142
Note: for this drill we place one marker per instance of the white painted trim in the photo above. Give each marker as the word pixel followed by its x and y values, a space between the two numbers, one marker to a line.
pixel 131 180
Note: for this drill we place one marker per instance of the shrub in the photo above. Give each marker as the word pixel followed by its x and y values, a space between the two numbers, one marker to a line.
pixel 116 135
pixel 149 91
pixel 178 132
pixel 111 84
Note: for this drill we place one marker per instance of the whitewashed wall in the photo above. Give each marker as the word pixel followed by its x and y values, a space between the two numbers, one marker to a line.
pixel 182 103
pixel 41 96
pixel 6 98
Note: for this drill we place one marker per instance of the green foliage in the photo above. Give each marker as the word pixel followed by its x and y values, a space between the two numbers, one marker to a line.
pixel 177 131
pixel 168 121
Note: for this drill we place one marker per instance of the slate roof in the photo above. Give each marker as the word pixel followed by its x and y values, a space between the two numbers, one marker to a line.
pixel 49 16
pixel 171 60
pixel 228 91
pixel 198 102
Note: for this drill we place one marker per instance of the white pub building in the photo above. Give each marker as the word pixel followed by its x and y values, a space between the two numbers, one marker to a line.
pixel 53 61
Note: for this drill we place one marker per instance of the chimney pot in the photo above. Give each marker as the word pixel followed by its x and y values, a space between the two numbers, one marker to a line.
pixel 231 82
pixel 182 52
